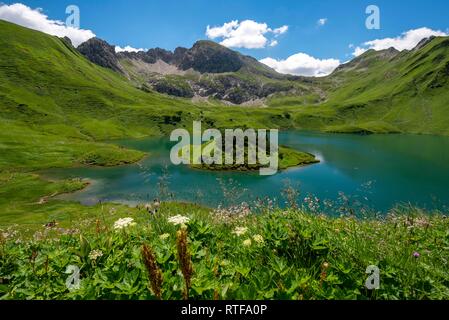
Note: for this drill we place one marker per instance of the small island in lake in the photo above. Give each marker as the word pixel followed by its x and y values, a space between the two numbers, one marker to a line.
pixel 287 158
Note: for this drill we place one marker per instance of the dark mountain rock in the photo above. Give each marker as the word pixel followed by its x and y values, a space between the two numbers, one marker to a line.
pixel 221 73
pixel 179 54
pixel 68 41
pixel 101 53
pixel 176 88
pixel 151 56
pixel 209 57
pixel 160 54
pixel 204 57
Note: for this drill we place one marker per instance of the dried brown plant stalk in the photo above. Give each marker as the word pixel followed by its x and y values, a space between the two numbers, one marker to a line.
pixel 154 271
pixel 184 259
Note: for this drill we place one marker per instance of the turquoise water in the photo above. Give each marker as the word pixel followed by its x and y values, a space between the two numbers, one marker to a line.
pixel 376 171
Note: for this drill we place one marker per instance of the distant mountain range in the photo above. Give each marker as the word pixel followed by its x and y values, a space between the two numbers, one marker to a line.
pixel 386 83
pixel 92 92
pixel 207 70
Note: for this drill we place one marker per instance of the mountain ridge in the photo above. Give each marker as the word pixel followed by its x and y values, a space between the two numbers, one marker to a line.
pixel 207 70
pixel 46 82
pixel 211 71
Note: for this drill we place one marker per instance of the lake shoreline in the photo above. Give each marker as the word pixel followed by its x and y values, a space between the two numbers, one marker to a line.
pixel 347 163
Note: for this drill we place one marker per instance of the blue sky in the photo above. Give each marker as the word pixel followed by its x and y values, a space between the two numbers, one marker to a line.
pixel 168 24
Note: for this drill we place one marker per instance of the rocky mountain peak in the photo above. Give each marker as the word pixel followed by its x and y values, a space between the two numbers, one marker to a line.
pixel 423 43
pixel 101 53
pixel 217 71
pixel 210 57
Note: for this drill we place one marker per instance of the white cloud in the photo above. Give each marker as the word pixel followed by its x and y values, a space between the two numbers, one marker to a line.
pixel 359 51
pixel 274 43
pixel 247 34
pixel 280 30
pixel 223 31
pixel 302 64
pixel 128 49
pixel 35 19
pixel 322 21
pixel 406 41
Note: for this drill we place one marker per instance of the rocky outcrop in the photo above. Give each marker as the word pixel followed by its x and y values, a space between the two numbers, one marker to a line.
pixel 101 53
pixel 204 57
pixel 151 56
pixel 210 57
pixel 208 69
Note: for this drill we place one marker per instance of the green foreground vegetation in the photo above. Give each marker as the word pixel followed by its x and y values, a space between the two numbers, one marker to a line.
pixel 227 253
pixel 184 251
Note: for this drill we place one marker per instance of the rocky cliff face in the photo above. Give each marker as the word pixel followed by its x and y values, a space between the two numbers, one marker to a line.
pixel 204 57
pixel 209 57
pixel 207 70
pixel 101 53
pixel 151 56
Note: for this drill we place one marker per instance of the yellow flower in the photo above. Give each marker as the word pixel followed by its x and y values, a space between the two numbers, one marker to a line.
pixel 95 254
pixel 164 236
pixel 258 238
pixel 247 243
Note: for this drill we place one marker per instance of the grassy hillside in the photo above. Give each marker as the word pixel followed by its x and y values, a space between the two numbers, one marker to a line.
pixel 57 110
pixel 384 91
pixel 54 103
pixel 56 106
pixel 409 91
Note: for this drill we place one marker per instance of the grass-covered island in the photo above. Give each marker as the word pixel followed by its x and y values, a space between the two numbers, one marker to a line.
pixel 287 158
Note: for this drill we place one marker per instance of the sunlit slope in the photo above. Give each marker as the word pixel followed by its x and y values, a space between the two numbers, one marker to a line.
pixel 45 80
pixel 408 91
pixel 381 92
pixel 55 104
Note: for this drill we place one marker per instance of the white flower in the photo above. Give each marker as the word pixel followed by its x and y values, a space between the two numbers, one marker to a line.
pixel 164 236
pixel 247 243
pixel 240 231
pixel 258 238
pixel 123 223
pixel 95 254
pixel 178 219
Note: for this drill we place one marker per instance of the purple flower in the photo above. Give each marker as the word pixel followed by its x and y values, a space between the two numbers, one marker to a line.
pixel 416 255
